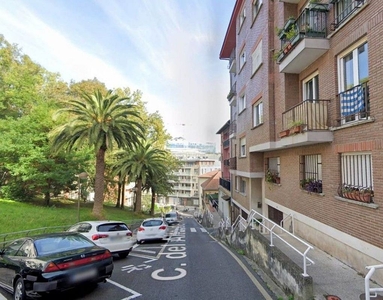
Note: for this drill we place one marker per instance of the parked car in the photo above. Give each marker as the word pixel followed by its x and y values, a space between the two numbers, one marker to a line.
pixel 152 229
pixel 54 262
pixel 113 235
pixel 171 218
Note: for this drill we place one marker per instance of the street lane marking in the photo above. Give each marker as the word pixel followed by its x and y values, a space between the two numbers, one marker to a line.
pixel 2 297
pixel 134 293
pixel 145 251
pixel 193 230
pixel 203 230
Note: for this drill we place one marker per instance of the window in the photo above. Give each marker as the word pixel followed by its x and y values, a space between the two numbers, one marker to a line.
pixel 242 59
pixel 257 57
pixel 256 7
pixel 353 79
pixel 240 185
pixel 257 113
pixel 241 103
pixel 311 88
pixel 311 173
pixel 356 174
pixel 242 149
pixel 242 17
pixel 356 169
pixel 273 170
pixel 345 8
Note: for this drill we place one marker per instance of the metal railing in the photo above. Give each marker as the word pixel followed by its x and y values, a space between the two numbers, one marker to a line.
pixel 343 12
pixel 224 183
pixel 367 288
pixel 312 114
pixel 224 223
pixel 354 104
pixel 269 226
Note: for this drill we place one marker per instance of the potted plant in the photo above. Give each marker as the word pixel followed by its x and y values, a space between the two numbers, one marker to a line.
pixel 284 133
pixel 296 126
pixel 272 177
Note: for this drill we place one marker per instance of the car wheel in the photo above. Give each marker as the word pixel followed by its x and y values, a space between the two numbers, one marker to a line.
pixel 123 254
pixel 19 292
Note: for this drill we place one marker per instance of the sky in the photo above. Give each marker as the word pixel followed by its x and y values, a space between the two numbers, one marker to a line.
pixel 167 49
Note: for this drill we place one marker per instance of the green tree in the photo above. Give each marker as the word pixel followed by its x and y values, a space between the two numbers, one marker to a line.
pixel 140 164
pixel 100 121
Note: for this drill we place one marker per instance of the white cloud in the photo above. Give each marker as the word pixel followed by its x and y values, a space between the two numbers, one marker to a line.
pixel 167 49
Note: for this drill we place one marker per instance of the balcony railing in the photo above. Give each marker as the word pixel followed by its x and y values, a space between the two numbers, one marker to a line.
pixel 312 114
pixel 354 104
pixel 224 183
pixel 233 163
pixel 233 127
pixel 232 91
pixel 226 162
pixel 343 11
pixel 311 23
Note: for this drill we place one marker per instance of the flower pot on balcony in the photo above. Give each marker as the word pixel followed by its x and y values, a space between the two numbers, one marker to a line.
pixel 284 133
pixel 297 129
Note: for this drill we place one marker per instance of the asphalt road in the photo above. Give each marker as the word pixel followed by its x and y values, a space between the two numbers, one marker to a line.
pixel 191 265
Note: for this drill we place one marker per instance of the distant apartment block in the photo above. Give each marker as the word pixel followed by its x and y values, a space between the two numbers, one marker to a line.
pixel 187 191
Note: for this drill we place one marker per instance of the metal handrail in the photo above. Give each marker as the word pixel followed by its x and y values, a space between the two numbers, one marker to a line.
pixel 367 288
pixel 274 227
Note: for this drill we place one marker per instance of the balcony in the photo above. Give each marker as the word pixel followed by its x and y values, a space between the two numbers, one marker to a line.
pixel 232 62
pixel 232 92
pixel 304 40
pixel 306 123
pixel 233 163
pixel 233 128
pixel 345 11
pixel 226 162
pixel 224 183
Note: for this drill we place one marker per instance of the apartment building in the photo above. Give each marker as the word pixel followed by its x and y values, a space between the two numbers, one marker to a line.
pixel 224 193
pixel 187 190
pixel 306 120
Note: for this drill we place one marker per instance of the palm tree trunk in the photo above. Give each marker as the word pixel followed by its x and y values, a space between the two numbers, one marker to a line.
pixel 153 202
pixel 99 184
pixel 138 196
pixel 118 194
pixel 123 193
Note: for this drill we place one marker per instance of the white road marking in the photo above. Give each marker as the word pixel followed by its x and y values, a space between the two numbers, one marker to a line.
pixel 134 293
pixel 193 230
pixel 203 230
pixel 157 277
pixel 145 251
pixel 2 297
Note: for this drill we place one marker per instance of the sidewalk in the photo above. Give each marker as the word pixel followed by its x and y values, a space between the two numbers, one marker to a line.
pixel 332 279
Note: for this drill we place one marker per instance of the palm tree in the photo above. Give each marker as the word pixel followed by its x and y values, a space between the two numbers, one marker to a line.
pixel 140 164
pixel 100 122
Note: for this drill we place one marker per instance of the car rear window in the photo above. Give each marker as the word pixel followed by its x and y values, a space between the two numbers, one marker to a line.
pixel 112 227
pixel 151 223
pixel 61 243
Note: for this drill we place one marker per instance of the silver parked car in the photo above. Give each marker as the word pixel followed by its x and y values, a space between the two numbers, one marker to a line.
pixel 113 235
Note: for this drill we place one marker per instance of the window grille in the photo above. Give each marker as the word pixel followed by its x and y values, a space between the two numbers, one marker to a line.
pixel 311 173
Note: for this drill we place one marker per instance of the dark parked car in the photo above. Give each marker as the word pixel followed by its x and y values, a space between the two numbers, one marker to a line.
pixel 55 262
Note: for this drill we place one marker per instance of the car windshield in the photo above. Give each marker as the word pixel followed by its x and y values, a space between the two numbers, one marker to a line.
pixel 57 244
pixel 171 215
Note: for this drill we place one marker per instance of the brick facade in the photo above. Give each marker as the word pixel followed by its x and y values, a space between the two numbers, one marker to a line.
pixel 325 219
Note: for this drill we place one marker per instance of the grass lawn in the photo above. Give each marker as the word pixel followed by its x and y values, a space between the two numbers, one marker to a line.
pixel 21 216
